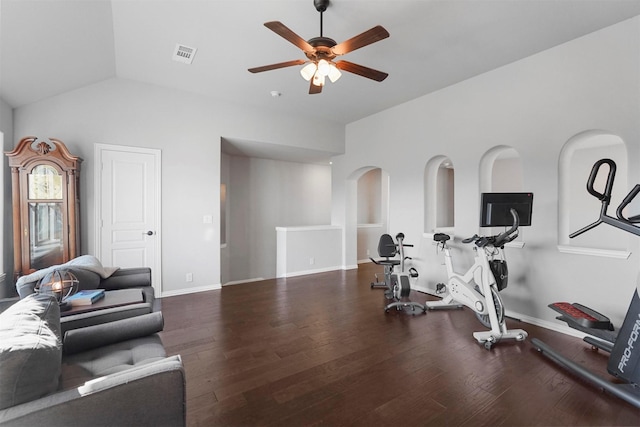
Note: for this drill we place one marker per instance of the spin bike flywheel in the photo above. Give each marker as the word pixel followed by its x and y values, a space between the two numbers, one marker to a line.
pixel 497 302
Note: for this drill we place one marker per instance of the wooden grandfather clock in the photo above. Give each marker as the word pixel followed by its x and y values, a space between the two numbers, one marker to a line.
pixel 46 205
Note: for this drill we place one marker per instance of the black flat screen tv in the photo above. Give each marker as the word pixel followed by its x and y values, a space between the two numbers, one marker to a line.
pixel 495 209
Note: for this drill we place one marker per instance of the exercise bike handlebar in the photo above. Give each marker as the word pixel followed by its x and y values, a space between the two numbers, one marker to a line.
pixel 400 239
pixel 510 234
pixel 498 240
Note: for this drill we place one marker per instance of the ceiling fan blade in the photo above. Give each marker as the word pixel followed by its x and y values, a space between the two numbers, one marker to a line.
pixel 361 70
pixel 313 89
pixel 276 66
pixel 284 32
pixel 373 35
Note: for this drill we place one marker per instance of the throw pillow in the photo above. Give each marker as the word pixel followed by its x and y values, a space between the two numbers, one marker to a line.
pixel 30 350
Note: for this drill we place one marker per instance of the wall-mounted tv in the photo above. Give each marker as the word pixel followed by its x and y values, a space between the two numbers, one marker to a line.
pixel 495 209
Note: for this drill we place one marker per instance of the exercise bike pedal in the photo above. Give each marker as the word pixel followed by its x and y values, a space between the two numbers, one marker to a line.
pixel 441 288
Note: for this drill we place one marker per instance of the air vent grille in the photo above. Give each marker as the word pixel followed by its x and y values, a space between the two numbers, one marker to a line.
pixel 184 53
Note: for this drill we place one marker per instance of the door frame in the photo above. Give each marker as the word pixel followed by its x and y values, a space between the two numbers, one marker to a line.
pixel 99 149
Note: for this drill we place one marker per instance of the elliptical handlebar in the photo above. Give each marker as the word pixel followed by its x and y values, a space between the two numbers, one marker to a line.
pixel 621 222
pixel 632 194
pixel 606 196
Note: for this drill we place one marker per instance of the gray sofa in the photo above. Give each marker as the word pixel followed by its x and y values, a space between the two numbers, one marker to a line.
pixel 122 278
pixel 109 374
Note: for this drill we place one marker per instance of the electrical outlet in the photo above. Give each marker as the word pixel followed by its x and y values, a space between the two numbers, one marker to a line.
pixel 312 261
pixel 368 253
pixel 189 277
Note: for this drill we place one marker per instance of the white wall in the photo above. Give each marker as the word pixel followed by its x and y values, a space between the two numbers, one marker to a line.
pixel 534 105
pixel 6 257
pixel 187 128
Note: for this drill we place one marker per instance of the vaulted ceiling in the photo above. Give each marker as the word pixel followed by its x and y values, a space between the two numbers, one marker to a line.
pixel 52 46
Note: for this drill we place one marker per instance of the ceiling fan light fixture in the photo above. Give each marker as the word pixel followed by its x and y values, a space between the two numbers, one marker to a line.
pixel 308 71
pixel 323 67
pixel 334 73
pixel 318 79
pixel 321 51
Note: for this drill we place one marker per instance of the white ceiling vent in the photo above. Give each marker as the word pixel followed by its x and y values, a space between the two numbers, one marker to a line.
pixel 184 53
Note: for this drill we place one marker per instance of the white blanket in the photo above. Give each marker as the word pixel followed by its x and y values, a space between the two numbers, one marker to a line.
pixel 85 262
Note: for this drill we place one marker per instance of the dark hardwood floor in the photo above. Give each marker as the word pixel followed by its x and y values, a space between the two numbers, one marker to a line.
pixel 319 350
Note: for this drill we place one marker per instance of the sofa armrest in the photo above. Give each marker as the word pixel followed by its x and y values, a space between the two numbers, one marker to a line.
pixel 147 395
pixel 106 315
pixel 124 278
pixel 90 337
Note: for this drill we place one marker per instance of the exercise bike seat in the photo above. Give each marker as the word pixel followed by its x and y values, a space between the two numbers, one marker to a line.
pixel 441 237
pixel 387 249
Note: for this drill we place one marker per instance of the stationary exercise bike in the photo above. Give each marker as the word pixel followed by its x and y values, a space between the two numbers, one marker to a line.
pixel 483 298
pixel 387 251
pixel 397 284
pixel 624 346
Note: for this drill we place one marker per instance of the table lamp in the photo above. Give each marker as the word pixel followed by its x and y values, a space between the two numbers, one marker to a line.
pixel 60 283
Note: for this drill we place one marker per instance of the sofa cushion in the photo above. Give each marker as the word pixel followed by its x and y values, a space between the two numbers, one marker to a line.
pixel 30 350
pixel 86 279
pixel 96 336
pixel 81 367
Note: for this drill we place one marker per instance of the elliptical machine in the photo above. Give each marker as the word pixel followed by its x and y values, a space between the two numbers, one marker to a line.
pixel 483 298
pixel 624 346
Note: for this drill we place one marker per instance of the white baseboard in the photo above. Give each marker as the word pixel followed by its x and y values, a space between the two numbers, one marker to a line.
pixel 562 328
pixel 305 272
pixel 362 261
pixel 239 282
pixel 190 290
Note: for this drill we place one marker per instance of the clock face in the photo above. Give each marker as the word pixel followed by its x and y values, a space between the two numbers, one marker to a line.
pixel 45 183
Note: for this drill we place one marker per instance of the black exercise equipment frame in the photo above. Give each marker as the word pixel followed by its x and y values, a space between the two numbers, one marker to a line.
pixel 624 361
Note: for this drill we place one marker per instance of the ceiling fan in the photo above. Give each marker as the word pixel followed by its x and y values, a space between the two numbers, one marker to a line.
pixel 321 51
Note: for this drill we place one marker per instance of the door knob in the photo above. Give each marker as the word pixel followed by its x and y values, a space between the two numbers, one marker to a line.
pixel 149 233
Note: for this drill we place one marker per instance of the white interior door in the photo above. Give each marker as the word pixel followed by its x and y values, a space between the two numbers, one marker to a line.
pixel 128 211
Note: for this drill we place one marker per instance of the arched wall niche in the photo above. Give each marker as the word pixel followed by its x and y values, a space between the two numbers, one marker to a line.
pixel 577 208
pixel 439 192
pixel 371 209
pixel 501 172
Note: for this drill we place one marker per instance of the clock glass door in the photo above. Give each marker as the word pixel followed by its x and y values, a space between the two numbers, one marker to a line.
pixel 46 217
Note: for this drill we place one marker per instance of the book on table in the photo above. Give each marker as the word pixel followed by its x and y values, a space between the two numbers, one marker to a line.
pixel 86 297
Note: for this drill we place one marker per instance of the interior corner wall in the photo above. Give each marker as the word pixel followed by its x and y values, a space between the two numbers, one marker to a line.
pixel 534 105
pixel 187 128
pixel 225 255
pixel 265 194
pixel 6 215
